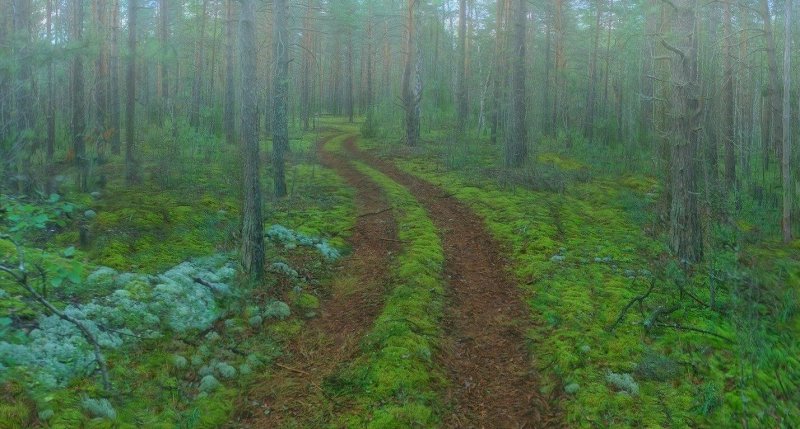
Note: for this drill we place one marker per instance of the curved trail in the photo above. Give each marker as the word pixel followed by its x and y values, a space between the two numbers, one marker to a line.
pixel 493 383
pixel 293 392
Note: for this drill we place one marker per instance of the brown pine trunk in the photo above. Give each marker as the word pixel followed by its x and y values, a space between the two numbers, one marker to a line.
pixel 786 152
pixel 252 219
pixel 78 128
pixel 411 95
pixel 461 93
pixel 115 108
pixel 199 61
pixel 517 139
pixel 588 127
pixel 229 107
pixel 280 123
pixel 305 72
pixel 686 234
pixel 131 169
pixel 51 112
pixel 101 124
pixel 774 120
pixel 162 79
pixel 23 95
pixel 729 100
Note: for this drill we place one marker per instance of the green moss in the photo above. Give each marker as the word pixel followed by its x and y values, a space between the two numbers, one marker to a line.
pixel 395 383
pixel 576 296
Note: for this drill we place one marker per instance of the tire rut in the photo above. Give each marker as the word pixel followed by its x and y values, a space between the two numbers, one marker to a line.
pixel 493 381
pixel 293 393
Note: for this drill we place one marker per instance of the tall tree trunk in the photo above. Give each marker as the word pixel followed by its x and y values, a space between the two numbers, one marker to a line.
pixel 78 126
pixel 588 126
pixel 686 235
pixel 729 101
pixel 305 72
pixel 101 125
pixel 162 79
pixel 115 108
pixel 51 111
pixel 773 92
pixel 229 108
pixel 461 93
pixel 349 95
pixel 280 105
pixel 786 152
pixel 497 79
pixel 199 61
pixel 131 172
pixel 517 139
pixel 411 90
pixel 23 95
pixel 252 219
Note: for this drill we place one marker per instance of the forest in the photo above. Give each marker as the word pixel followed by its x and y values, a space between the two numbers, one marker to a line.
pixel 399 214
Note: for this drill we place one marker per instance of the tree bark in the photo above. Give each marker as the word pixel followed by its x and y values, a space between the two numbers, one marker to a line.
pixel 517 139
pixel 411 81
pixel 729 101
pixel 162 79
pixel 588 126
pixel 786 152
pixel 78 125
pixel 686 233
pixel 199 61
pixel 131 173
pixel 252 219
pixel 229 108
pixel 280 123
pixel 461 93
pixel 115 107
pixel 773 118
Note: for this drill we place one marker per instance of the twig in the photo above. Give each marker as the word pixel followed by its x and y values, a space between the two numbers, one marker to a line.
pixel 638 299
pixel 22 280
pixel 692 329
pixel 391 239
pixel 288 368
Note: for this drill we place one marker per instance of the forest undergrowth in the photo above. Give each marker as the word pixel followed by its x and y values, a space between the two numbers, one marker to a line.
pixel 119 260
pixel 631 338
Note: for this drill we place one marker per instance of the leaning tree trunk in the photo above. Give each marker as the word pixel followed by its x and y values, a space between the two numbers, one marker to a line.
pixel 786 152
pixel 517 140
pixel 280 122
pixel 686 234
pixel 411 81
pixel 252 220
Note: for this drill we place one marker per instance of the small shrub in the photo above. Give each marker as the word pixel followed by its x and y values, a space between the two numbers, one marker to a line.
pixel 624 382
pixel 99 408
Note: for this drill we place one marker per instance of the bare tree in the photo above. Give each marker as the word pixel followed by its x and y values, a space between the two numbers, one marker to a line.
pixel 461 92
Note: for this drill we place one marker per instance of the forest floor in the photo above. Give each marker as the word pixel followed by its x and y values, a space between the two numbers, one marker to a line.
pixel 491 377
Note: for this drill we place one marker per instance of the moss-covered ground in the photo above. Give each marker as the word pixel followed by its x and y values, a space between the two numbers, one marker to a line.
pixel 395 382
pixel 177 212
pixel 584 247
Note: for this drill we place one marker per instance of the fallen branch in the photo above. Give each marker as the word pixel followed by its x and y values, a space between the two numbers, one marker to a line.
pixel 21 278
pixel 692 329
pixel 638 299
